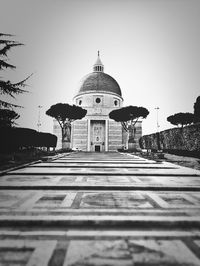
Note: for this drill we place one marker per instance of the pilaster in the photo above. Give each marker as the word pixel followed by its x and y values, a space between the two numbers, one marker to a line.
pixel 106 135
pixel 88 140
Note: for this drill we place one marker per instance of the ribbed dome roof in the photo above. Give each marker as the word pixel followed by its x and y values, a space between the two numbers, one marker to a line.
pixel 99 82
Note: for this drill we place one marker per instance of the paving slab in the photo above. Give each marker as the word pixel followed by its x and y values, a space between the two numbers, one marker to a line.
pixel 100 183
pixel 78 247
pixel 102 165
pixel 100 209
pixel 160 170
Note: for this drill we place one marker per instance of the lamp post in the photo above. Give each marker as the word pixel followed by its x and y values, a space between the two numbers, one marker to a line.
pixel 39 121
pixel 157 109
pixel 158 135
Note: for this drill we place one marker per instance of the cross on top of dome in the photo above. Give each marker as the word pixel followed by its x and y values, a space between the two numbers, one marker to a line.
pixel 98 66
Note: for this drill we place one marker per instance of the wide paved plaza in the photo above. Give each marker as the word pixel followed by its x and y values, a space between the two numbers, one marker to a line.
pixel 102 209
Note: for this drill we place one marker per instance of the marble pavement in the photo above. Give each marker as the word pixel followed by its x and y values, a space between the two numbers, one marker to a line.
pixel 100 209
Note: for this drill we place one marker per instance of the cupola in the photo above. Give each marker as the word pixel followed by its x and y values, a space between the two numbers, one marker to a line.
pixel 98 66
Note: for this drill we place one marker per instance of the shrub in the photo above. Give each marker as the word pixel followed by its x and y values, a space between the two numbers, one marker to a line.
pixel 13 139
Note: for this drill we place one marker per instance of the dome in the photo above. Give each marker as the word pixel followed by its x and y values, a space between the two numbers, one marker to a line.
pixel 99 82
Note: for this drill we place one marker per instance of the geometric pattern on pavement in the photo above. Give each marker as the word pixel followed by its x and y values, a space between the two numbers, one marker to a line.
pixel 23 252
pixel 19 200
pixel 48 181
pixel 99 248
pixel 105 187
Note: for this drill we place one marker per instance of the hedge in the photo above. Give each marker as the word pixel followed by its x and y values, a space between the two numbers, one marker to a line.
pixel 179 140
pixel 13 139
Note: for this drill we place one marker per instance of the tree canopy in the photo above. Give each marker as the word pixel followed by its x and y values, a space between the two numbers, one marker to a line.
pixel 6 86
pixel 197 110
pixel 7 117
pixel 65 114
pixel 128 115
pixel 181 119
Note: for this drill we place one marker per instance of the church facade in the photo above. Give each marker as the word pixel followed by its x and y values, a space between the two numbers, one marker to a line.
pixel 99 94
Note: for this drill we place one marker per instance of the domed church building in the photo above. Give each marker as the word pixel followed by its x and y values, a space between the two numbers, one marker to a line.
pixel 99 94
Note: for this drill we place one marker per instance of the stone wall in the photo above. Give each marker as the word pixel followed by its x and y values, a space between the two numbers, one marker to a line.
pixel 114 135
pixel 186 139
pixel 79 134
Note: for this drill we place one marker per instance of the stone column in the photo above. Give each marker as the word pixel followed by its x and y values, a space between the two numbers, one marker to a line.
pixel 89 141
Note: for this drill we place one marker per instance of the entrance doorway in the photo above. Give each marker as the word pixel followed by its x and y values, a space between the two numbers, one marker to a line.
pixel 97 148
pixel 97 135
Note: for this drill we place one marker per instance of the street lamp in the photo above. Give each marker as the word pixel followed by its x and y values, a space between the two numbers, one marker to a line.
pixel 39 121
pixel 157 109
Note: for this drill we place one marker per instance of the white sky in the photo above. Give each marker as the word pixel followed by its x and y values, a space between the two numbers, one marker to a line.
pixel 151 47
